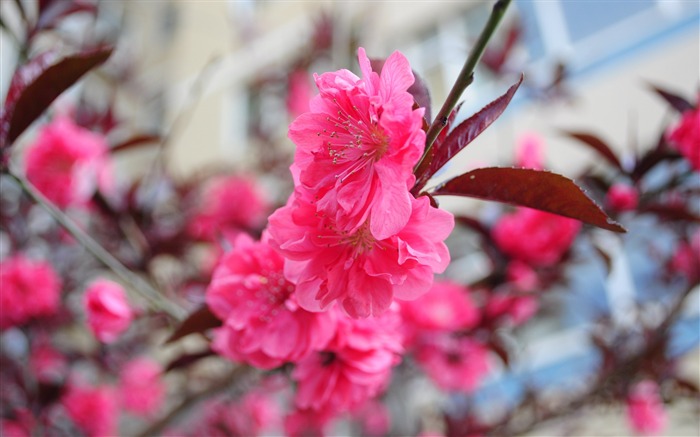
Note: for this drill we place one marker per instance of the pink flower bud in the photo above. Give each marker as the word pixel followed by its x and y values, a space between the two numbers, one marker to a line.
pixel 622 197
pixel 108 312
pixel 645 410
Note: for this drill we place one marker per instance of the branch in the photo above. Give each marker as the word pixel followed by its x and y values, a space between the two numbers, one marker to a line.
pixel 466 76
pixel 240 374
pixel 137 284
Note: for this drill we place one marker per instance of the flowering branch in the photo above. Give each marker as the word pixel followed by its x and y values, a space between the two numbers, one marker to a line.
pixel 140 286
pixel 466 76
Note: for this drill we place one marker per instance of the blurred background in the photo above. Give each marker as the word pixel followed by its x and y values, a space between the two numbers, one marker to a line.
pixel 221 81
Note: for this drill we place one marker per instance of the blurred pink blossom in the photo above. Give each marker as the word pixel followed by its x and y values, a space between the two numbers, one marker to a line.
pixel 93 409
pixel 142 390
pixel 67 163
pixel 453 363
pixel 645 410
pixel 523 277
pixel 622 197
pixel 308 422
pixel 263 325
pixel 374 418
pixel 535 237
pixel 229 205
pixel 517 308
pixel 357 147
pixel 685 136
pixel 29 289
pixel 251 415
pixel 299 93
pixel 686 258
pixel 446 307
pixel 529 151
pixel 22 425
pixel 355 367
pixel 108 311
pixel 46 363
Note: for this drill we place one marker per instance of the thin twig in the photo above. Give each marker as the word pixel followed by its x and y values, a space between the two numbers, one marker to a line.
pixel 238 375
pixel 466 76
pixel 137 284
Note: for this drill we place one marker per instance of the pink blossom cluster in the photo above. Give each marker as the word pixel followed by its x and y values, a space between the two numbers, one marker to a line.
pixel 438 325
pixel 685 136
pixel 30 289
pixel 68 163
pixel 351 231
pixel 95 409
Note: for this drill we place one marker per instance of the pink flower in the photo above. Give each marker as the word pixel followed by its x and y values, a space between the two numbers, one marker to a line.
pixel 645 409
pixel 264 325
pixel 454 363
pixel 229 204
pixel 518 309
pixel 522 276
pixel 108 312
pixel 354 367
pixel 374 418
pixel 685 136
pixel 362 272
pixel 622 197
pixel 47 364
pixel 686 259
pixel 141 387
pixel 529 151
pixel 21 426
pixel 357 147
pixel 446 307
pixel 535 237
pixel 67 163
pixel 29 289
pixel 248 417
pixel 93 409
pixel 307 422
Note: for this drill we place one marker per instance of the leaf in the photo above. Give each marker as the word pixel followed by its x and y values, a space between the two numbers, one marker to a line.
pixel 677 102
pixel 467 131
pixel 136 141
pixel 596 144
pixel 536 189
pixel 199 321
pixel 650 160
pixel 677 212
pixel 37 83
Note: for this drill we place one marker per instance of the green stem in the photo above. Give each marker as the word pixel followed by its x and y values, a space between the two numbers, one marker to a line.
pixel 137 284
pixel 466 76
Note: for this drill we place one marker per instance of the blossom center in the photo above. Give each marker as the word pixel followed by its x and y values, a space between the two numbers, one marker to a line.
pixel 356 141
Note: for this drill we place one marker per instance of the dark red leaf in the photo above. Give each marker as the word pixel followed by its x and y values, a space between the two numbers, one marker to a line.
pixel 37 83
pixel 596 144
pixel 536 189
pixel 136 141
pixel 467 131
pixel 651 159
pixel 421 172
pixel 677 102
pixel 199 321
pixel 676 212
pixel 188 359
